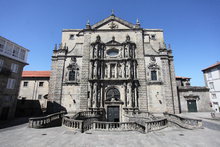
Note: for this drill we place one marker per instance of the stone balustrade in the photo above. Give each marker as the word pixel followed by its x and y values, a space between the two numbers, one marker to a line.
pixel 87 114
pixel 117 126
pixel 154 125
pixel 45 121
pixel 73 123
pixel 187 123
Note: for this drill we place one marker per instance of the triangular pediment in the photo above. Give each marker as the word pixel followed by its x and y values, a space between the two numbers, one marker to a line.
pixel 113 22
pixel 113 42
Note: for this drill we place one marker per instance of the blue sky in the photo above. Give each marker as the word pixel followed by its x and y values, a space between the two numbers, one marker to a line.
pixel 192 27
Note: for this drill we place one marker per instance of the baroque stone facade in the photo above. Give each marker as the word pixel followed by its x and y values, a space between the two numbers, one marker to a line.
pixel 116 66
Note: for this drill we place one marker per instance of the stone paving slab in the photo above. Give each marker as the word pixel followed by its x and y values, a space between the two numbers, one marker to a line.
pixel 22 136
pixel 63 137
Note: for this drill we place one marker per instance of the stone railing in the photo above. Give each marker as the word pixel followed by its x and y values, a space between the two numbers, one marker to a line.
pixel 88 114
pixel 117 126
pixel 154 125
pixel 187 123
pixel 46 121
pixel 73 123
pixel 82 120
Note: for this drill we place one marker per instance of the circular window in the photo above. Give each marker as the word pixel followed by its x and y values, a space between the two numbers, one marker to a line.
pixel 112 52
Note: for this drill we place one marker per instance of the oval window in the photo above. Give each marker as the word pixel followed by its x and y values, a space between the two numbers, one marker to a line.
pixel 112 52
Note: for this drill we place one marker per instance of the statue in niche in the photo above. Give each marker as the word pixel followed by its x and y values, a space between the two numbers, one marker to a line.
pixel 106 71
pixel 126 50
pixel 128 39
pixel 127 71
pixel 94 91
pixel 98 39
pixel 119 71
pixel 95 52
pixel 95 70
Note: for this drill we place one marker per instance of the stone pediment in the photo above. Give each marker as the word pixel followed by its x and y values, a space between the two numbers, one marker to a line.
pixel 113 42
pixel 112 22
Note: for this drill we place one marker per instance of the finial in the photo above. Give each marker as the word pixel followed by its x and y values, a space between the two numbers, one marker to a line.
pixel 113 13
pixel 88 25
pixel 113 38
pixel 137 21
pixel 55 47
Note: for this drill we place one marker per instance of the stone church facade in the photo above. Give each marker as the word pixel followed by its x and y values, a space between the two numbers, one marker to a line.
pixel 116 66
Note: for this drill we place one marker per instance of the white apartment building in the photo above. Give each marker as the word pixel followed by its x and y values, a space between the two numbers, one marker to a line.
pixel 212 80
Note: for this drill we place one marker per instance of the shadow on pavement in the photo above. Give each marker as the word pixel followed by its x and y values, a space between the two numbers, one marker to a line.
pixel 13 122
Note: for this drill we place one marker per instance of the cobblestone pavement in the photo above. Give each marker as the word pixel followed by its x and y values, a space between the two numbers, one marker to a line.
pixel 22 136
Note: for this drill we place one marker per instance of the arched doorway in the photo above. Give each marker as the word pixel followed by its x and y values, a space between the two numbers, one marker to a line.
pixel 113 96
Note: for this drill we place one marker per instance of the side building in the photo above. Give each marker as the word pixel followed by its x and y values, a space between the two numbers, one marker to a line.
pixel 13 58
pixel 192 98
pixel 212 80
pixel 34 89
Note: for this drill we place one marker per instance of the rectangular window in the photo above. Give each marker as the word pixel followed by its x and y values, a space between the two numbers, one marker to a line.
pixel 72 75
pixel 209 75
pixel 39 96
pixel 41 84
pixel 1 64
pixel 22 54
pixel 15 51
pixel 71 37
pixel 25 84
pixel 9 48
pixel 211 85
pixel 153 36
pixel 14 67
pixel 2 44
pixel 11 83
pixel 153 75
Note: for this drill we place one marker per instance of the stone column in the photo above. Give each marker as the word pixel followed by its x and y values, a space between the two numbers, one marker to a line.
pixel 95 95
pixel 136 97
pixel 90 98
pixel 125 94
pixel 129 96
pixel 85 72
pixel 102 96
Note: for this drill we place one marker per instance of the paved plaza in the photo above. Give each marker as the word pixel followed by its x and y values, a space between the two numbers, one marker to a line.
pixel 22 136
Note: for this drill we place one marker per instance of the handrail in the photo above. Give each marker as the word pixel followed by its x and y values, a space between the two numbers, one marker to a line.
pixel 38 122
pixel 154 125
pixel 117 126
pixel 187 123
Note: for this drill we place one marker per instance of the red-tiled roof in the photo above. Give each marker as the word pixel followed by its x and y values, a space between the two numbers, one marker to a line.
pixel 36 74
pixel 212 66
pixel 177 77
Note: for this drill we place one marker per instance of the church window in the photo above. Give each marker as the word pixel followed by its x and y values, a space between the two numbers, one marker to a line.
pixel 153 75
pixel 72 75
